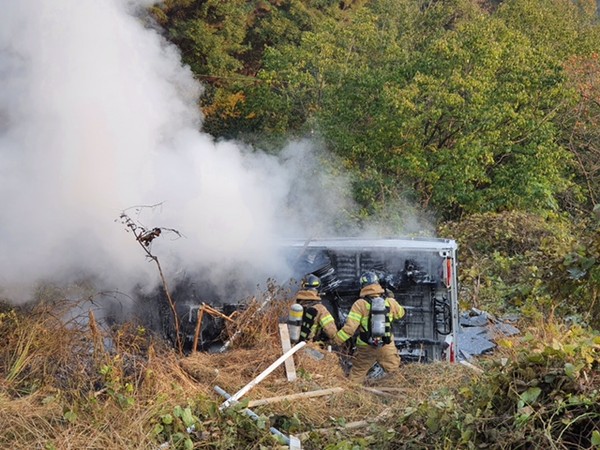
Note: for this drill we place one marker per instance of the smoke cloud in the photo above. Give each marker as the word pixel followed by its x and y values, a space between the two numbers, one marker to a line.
pixel 98 115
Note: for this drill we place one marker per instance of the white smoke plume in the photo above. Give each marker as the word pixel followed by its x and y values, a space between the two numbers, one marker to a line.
pixel 97 115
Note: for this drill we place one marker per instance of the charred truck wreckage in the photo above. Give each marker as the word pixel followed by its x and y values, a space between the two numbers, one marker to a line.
pixel 421 274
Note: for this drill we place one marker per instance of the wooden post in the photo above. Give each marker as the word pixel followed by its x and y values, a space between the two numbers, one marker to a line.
pixel 198 327
pixel 290 367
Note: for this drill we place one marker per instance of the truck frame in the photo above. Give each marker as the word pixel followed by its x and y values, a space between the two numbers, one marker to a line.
pixel 420 272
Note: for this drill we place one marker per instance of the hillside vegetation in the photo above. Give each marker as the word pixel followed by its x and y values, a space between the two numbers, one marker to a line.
pixel 456 105
pixel 480 114
pixel 483 114
pixel 67 386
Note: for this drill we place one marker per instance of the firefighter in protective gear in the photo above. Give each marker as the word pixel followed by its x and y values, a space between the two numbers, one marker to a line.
pixel 369 349
pixel 316 318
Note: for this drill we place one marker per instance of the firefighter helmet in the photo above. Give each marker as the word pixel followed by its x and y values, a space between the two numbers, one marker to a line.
pixel 368 278
pixel 311 282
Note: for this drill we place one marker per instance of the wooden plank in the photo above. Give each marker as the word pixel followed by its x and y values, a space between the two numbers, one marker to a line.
pixel 348 426
pixel 290 367
pixel 295 443
pixel 280 398
pixel 235 397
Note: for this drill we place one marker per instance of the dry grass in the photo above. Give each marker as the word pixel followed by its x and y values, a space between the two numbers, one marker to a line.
pixel 235 369
pixel 63 387
pixel 53 393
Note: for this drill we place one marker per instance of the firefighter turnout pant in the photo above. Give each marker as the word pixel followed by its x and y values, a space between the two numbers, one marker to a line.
pixel 366 356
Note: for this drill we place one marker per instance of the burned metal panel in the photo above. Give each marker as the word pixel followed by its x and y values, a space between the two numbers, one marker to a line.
pixel 189 293
pixel 420 273
pixel 479 330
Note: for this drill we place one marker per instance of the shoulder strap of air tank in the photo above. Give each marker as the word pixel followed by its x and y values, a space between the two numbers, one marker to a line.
pixel 365 334
pixel 308 320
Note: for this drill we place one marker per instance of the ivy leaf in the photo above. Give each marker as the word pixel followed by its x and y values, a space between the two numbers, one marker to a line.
pixel 596 438
pixel 570 370
pixel 187 417
pixel 178 411
pixel 530 395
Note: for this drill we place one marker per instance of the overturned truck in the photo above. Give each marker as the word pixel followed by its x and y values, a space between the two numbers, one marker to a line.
pixel 420 272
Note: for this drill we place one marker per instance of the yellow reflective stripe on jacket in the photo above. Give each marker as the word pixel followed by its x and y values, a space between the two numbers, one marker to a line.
pixel 320 320
pixel 355 316
pixel 364 324
pixel 343 336
pixel 359 317
pixel 353 321
pixel 322 323
pixel 401 313
pixel 326 320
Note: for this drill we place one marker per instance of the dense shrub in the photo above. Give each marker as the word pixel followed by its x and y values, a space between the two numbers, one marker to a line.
pixel 528 263
pixel 543 395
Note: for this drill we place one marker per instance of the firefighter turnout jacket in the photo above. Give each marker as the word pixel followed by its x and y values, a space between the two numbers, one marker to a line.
pixel 369 352
pixel 316 317
pixel 359 316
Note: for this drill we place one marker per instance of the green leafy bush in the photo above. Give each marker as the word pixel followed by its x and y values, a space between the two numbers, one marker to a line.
pixel 546 395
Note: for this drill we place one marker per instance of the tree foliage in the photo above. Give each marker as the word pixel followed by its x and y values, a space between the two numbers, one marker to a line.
pixel 580 125
pixel 224 44
pixel 459 106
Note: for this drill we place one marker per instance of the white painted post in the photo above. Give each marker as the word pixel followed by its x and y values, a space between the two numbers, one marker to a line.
pixel 235 397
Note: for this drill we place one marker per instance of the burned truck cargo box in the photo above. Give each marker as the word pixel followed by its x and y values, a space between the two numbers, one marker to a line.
pixel 419 273
pixel 190 295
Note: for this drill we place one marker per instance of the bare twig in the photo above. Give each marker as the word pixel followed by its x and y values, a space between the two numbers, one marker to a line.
pixel 240 329
pixel 144 237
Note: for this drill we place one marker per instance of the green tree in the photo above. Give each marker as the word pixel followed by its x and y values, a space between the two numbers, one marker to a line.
pixel 456 105
pixel 224 43
pixel 462 123
pixel 559 28
pixel 568 31
pixel 580 123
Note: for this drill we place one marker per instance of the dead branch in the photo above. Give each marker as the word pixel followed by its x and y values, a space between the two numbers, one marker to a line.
pixel 144 237
pixel 212 311
pixel 348 426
